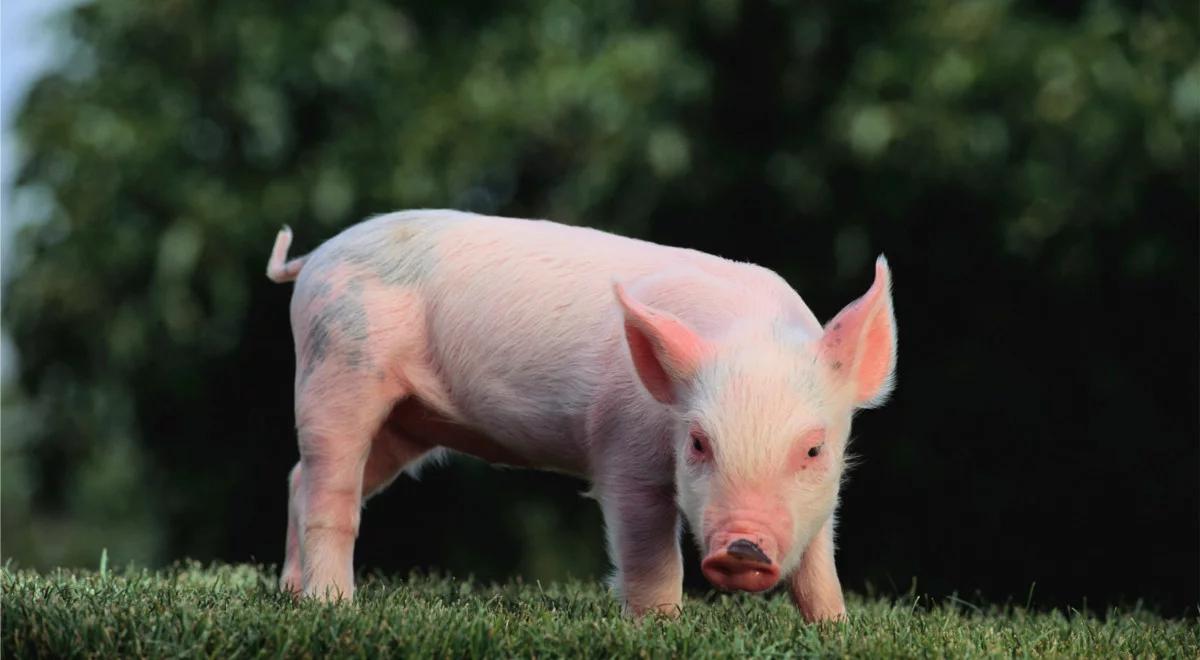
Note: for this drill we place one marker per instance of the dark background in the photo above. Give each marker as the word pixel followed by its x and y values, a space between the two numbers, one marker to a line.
pixel 1030 170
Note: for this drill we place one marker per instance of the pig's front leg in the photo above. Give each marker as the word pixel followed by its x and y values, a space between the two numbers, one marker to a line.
pixel 814 585
pixel 643 541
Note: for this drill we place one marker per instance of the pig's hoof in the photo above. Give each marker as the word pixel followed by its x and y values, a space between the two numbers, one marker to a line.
pixel 291 579
pixel 668 610
pixel 290 584
pixel 331 594
pixel 834 616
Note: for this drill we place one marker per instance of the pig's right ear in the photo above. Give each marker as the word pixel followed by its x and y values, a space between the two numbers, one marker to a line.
pixel 666 353
pixel 859 344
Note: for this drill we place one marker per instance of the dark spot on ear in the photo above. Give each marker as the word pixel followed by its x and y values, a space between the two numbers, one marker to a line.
pixel 837 326
pixel 837 364
pixel 813 452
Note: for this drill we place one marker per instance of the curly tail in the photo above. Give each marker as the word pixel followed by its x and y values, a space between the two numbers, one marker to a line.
pixel 278 268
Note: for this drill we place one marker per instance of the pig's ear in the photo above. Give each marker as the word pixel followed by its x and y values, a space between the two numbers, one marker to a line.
pixel 666 353
pixel 859 344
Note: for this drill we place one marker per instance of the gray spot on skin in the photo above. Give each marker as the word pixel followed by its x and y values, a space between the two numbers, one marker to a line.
pixel 397 250
pixel 317 290
pixel 339 326
pixel 407 264
pixel 837 365
pixel 318 343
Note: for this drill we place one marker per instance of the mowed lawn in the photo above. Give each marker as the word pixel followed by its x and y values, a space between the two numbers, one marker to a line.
pixel 236 612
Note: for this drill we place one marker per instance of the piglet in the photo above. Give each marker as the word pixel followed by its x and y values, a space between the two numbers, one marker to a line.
pixel 672 380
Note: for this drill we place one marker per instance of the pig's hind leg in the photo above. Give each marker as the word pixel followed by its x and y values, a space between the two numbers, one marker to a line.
pixel 359 344
pixel 291 579
pixel 346 452
pixel 390 454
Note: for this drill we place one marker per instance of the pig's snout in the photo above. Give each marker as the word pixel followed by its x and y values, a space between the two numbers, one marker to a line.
pixel 740 566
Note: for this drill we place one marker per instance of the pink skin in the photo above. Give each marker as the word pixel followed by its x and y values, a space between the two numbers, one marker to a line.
pixel 513 341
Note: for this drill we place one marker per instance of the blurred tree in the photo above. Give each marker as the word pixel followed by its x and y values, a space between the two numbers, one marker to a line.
pixel 1032 174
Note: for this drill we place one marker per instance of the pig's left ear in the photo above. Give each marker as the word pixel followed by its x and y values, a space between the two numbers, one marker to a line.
pixel 859 344
pixel 666 353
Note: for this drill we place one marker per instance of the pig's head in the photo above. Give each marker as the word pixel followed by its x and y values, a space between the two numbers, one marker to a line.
pixel 763 421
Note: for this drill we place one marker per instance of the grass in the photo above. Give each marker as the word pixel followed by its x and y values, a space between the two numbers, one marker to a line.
pixel 235 612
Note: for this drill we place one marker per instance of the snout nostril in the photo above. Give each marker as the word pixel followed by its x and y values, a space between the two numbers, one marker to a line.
pixel 746 550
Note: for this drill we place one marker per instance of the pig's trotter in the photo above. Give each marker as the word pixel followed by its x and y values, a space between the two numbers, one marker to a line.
pixel 643 541
pixel 815 588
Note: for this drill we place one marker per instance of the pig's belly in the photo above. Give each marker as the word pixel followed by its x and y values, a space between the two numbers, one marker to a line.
pixel 418 423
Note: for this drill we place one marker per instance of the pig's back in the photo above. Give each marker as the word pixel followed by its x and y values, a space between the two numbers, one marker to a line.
pixel 524 327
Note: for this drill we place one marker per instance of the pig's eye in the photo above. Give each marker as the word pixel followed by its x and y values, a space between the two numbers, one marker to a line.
pixel 699 446
pixel 807 448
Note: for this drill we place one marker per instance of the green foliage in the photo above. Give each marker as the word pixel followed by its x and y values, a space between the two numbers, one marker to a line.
pixel 1037 117
pixel 235 611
